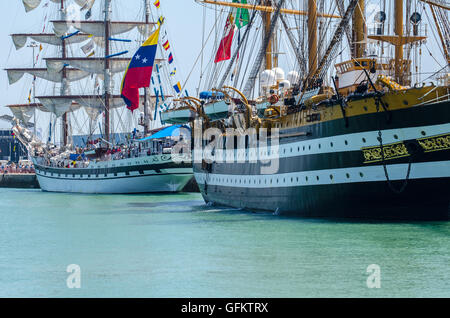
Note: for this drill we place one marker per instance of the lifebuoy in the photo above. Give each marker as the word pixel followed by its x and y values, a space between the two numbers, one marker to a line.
pixel 273 99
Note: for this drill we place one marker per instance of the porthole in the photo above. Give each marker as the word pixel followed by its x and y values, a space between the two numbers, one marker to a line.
pixel 309 147
pixel 361 174
pixel 331 176
pixel 364 140
pixel 395 137
pixel 317 177
pixel 347 175
pixel 365 108
pixel 423 133
pixel 306 178
pixel 346 142
pixel 331 144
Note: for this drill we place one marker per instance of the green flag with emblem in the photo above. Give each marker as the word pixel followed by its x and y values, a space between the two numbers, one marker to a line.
pixel 242 16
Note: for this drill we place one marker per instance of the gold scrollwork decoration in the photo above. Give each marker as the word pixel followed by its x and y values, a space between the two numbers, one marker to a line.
pixel 391 151
pixel 435 143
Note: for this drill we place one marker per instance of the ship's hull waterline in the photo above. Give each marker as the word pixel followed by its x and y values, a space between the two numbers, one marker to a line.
pixel 335 171
pixel 126 176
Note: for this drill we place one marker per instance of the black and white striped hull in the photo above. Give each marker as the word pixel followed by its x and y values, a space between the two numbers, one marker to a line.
pixel 326 173
pixel 135 175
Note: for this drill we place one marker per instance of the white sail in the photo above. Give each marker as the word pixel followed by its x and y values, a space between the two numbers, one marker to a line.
pixel 33 4
pixel 58 105
pixel 91 65
pixel 20 40
pixel 22 112
pixel 72 75
pixel 94 105
pixel 96 28
pixel 85 4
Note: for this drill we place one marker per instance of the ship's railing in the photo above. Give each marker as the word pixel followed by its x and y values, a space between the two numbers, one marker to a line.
pixel 412 30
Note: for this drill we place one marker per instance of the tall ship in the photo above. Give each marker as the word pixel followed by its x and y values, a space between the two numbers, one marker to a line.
pixel 87 63
pixel 360 125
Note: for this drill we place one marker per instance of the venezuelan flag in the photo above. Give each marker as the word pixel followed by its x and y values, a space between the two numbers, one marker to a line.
pixel 139 71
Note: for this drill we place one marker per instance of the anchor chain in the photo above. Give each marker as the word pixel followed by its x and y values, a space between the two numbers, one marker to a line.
pixel 380 139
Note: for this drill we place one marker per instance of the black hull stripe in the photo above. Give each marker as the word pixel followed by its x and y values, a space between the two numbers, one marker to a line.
pixel 112 178
pixel 422 198
pixel 112 170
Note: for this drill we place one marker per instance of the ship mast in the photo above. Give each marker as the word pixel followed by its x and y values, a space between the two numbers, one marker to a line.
pixel 146 89
pixel 312 36
pixel 64 86
pixel 267 18
pixel 107 73
pixel 398 40
pixel 359 31
pixel 398 29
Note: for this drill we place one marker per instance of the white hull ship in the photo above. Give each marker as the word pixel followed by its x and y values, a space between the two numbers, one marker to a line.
pixel 148 174
pixel 131 166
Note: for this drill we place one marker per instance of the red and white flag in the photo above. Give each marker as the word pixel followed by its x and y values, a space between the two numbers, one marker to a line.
pixel 224 51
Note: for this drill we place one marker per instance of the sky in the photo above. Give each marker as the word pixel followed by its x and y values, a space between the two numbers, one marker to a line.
pixel 184 21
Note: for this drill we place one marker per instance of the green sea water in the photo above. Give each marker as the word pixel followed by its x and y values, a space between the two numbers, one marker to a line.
pixel 176 246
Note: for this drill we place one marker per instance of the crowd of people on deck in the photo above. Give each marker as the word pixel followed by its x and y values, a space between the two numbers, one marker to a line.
pixel 16 168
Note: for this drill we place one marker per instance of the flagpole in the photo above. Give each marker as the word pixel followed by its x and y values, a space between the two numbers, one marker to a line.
pixel 146 89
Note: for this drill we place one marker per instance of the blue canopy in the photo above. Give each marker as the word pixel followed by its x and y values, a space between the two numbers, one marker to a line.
pixel 171 131
pixel 74 156
pixel 211 95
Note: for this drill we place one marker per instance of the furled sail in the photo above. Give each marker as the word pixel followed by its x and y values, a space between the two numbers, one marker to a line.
pixel 96 28
pixel 20 40
pixel 72 75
